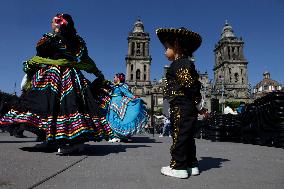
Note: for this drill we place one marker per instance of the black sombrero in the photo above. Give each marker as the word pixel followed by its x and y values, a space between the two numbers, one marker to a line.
pixel 190 40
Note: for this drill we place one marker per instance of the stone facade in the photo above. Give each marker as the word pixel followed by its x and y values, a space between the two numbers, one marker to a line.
pixel 230 69
pixel 206 89
pixel 138 59
pixel 138 68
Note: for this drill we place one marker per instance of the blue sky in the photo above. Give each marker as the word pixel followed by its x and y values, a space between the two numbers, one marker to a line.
pixel 105 24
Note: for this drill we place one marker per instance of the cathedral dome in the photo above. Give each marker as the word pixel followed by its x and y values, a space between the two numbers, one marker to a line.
pixel 267 83
pixel 138 27
pixel 227 31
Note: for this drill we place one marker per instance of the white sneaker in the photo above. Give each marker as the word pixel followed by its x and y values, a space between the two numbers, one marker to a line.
pixel 168 171
pixel 114 140
pixel 161 136
pixel 193 171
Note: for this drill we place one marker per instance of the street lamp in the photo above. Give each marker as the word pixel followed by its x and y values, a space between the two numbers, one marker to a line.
pixel 222 93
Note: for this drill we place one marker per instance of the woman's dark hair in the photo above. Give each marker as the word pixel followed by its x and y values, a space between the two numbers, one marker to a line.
pixel 69 28
pixel 68 32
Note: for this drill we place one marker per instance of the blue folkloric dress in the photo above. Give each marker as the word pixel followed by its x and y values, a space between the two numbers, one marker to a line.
pixel 126 113
pixel 59 100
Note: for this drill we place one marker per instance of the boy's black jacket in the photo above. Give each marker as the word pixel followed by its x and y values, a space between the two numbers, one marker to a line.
pixel 182 80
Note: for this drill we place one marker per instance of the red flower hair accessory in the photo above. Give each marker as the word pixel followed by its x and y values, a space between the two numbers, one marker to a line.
pixel 59 20
pixel 121 77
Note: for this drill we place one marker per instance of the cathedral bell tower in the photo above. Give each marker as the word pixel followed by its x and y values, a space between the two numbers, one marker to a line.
pixel 230 69
pixel 138 60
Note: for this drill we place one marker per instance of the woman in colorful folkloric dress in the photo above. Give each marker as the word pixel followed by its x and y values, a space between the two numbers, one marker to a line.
pixel 57 98
pixel 126 113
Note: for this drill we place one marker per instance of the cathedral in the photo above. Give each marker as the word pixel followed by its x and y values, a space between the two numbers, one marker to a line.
pixel 138 68
pixel 230 70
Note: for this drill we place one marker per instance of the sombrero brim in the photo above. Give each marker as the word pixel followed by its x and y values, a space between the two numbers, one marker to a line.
pixel 191 40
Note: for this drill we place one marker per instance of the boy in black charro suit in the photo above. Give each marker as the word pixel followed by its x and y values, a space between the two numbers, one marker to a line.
pixel 182 90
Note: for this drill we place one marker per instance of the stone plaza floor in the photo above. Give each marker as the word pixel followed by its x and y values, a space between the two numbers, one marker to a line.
pixel 137 165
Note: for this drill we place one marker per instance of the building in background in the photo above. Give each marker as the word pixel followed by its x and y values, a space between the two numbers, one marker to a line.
pixel 230 69
pixel 265 86
pixel 138 68
pixel 206 89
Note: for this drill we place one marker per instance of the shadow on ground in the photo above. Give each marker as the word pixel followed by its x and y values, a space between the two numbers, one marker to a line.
pixel 103 150
pixel 50 149
pixel 90 149
pixel 207 163
pixel 142 139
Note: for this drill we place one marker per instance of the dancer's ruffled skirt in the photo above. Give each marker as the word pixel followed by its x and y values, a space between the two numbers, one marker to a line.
pixel 62 104
pixel 128 119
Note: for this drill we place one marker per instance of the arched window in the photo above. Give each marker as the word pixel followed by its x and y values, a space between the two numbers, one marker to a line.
pixel 138 51
pixel 145 68
pixel 131 67
pixel 138 74
pixel 265 87
pixel 131 77
pixel 132 48
pixel 144 77
pixel 236 77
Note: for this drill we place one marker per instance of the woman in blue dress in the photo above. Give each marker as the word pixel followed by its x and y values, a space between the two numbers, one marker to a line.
pixel 126 113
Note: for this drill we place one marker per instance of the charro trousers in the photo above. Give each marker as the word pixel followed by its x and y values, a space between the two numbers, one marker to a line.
pixel 183 119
